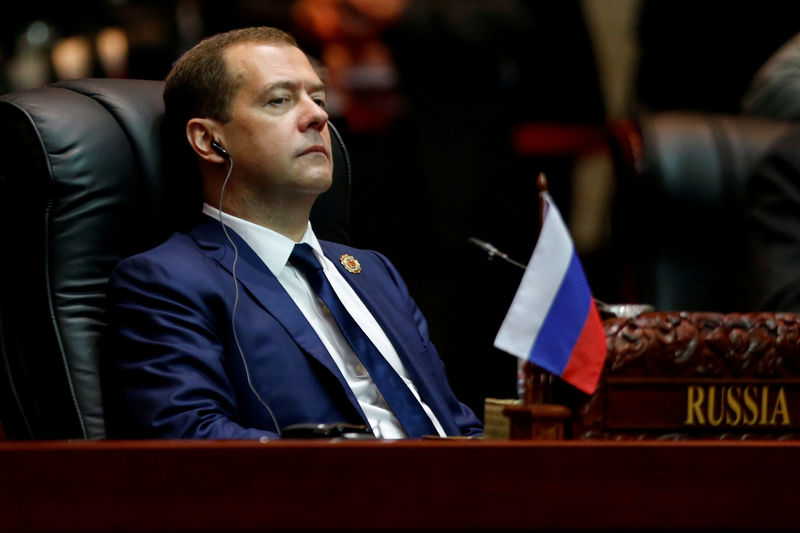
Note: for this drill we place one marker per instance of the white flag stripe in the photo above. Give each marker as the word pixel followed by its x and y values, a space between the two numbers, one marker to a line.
pixel 540 283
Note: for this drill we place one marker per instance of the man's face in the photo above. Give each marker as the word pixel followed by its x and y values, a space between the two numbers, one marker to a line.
pixel 278 134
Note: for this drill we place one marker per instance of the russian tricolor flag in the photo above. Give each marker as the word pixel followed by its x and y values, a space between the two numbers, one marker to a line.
pixel 553 321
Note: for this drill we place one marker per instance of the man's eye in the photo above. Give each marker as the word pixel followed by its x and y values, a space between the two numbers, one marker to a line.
pixel 278 101
pixel 320 102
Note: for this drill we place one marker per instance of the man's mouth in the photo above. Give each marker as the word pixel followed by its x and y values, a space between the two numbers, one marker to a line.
pixel 317 148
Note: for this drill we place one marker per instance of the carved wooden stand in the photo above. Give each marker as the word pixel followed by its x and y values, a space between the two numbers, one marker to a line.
pixel 534 419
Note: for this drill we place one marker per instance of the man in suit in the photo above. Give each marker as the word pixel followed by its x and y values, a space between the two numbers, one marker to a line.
pixel 247 323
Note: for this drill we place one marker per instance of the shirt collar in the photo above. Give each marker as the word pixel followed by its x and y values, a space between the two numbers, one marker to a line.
pixel 273 248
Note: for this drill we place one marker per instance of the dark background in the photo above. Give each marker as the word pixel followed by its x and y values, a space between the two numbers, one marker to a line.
pixel 430 96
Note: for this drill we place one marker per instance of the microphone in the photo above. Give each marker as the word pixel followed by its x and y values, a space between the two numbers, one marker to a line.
pixel 494 252
pixel 601 305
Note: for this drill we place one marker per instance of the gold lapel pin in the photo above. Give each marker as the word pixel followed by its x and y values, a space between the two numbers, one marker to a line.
pixel 350 263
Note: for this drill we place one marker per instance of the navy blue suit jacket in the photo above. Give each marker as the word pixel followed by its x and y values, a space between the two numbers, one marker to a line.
pixel 182 374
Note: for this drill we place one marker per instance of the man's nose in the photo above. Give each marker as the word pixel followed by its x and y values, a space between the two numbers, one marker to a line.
pixel 314 116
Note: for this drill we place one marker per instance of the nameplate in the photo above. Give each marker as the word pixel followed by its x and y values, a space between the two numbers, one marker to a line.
pixel 702 405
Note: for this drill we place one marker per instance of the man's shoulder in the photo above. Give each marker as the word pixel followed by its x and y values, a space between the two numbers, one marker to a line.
pixel 179 258
pixel 173 248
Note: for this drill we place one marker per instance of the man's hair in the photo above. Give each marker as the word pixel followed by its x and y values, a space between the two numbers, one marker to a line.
pixel 199 84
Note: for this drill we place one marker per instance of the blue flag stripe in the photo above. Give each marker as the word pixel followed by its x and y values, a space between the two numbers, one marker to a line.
pixel 560 329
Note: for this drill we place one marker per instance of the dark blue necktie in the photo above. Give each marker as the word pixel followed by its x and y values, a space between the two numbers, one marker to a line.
pixel 396 393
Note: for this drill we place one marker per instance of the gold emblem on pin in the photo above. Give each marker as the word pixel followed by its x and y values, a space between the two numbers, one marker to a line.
pixel 351 264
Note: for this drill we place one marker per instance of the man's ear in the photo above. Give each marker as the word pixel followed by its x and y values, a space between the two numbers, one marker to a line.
pixel 200 132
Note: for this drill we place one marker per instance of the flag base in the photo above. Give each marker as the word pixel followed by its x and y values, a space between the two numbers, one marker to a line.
pixel 539 421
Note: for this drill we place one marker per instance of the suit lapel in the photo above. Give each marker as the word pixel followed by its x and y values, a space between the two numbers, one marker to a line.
pixel 371 290
pixel 265 288
pixel 396 325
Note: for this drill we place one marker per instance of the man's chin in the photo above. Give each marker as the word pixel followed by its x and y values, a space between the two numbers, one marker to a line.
pixel 317 184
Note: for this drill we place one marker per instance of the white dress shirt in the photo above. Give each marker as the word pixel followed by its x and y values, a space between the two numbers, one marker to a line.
pixel 274 250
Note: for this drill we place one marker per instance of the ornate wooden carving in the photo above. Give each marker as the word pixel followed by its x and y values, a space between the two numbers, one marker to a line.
pixel 682 375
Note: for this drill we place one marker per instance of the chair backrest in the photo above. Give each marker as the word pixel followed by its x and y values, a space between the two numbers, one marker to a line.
pixel 681 179
pixel 85 180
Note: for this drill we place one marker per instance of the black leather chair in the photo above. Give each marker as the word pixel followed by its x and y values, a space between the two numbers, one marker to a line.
pixel 678 218
pixel 85 180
